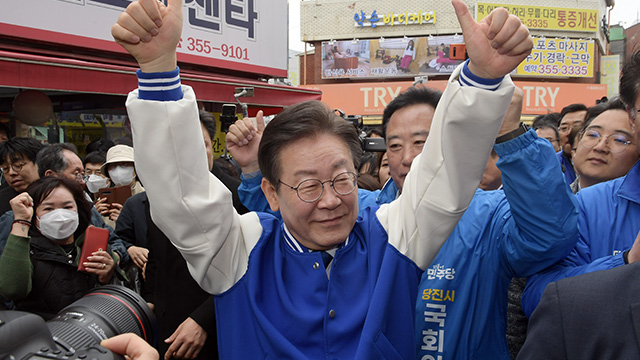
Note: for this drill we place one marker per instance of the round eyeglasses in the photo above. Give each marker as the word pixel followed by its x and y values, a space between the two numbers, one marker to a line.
pixel 618 143
pixel 310 190
pixel 17 167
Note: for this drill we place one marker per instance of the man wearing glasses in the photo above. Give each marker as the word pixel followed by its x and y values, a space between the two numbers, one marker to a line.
pixel 596 315
pixel 275 298
pixel 610 211
pixel 18 164
pixel 571 117
pixel 605 148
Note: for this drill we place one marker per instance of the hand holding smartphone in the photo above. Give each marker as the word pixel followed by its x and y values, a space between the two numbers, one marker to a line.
pixel 95 239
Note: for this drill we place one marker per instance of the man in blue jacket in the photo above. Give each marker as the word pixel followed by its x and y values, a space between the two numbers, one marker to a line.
pixel 609 212
pixel 276 301
pixel 514 232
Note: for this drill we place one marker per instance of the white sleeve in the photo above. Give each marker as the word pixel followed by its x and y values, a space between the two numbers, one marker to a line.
pixel 444 178
pixel 190 205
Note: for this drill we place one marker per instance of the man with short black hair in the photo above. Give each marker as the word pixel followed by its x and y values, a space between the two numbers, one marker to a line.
pixel 609 211
pixel 18 162
pixel 276 300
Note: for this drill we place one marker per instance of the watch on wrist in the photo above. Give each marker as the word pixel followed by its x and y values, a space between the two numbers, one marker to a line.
pixel 523 128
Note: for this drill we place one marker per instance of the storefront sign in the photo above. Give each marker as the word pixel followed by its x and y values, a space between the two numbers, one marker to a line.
pixel 388 58
pixel 547 18
pixel 390 19
pixel 240 35
pixel 559 58
pixel 539 98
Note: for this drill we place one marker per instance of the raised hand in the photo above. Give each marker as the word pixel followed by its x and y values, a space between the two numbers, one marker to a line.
pixel 243 140
pixel 496 44
pixel 22 206
pixel 150 32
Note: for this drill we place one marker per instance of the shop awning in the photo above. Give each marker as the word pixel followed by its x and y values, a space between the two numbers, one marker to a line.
pixel 28 71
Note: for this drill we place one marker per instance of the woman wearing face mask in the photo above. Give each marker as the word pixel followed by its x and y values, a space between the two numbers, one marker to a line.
pixel 38 268
pixel 120 170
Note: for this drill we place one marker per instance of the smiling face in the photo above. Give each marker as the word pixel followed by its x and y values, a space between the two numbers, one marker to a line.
pixel 598 164
pixel 327 222
pixel 407 133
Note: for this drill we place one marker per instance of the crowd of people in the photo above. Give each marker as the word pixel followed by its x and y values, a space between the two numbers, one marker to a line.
pixel 471 236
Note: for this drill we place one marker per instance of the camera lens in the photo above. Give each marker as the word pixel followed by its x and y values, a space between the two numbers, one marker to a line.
pixel 103 312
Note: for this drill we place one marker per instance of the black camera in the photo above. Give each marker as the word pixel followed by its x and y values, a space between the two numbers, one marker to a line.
pixel 368 143
pixel 76 331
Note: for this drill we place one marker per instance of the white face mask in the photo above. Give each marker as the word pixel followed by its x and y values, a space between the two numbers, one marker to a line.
pixel 96 182
pixel 58 224
pixel 121 175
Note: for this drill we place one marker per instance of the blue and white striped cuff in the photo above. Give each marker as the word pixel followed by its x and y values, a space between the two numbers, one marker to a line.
pixel 160 86
pixel 467 78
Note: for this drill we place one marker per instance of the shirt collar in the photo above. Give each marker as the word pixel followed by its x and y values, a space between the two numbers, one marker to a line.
pixel 297 247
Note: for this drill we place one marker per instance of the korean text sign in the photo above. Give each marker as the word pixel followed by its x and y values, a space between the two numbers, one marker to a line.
pixel 559 58
pixel 245 35
pixel 548 18
pixel 374 19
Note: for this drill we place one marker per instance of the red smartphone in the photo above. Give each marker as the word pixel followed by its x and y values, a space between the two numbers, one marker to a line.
pixel 95 239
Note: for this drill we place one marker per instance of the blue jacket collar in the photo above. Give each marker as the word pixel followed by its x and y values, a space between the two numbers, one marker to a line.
pixel 630 187
pixel 388 193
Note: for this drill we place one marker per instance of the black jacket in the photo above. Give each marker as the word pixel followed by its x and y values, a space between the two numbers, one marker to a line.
pixel 56 282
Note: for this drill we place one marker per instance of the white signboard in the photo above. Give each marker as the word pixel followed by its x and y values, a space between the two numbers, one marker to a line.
pixel 245 35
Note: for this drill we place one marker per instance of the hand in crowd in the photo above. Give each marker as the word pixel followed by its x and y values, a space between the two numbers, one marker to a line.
pixel 243 140
pixel 114 211
pixel 22 207
pixel 512 118
pixel 634 253
pixel 150 32
pixel 139 255
pixel 131 346
pixel 187 341
pixel 102 206
pixel 101 264
pixel 496 44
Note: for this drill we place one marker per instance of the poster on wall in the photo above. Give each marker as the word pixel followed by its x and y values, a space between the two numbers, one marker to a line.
pixel 559 58
pixel 389 58
pixel 610 74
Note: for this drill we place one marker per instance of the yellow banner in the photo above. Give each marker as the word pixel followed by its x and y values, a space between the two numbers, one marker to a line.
pixel 559 58
pixel 548 18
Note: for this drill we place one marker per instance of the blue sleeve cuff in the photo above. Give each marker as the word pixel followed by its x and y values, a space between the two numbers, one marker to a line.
pixel 516 144
pixel 467 78
pixel 160 86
